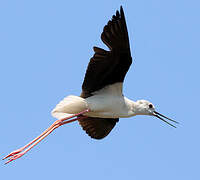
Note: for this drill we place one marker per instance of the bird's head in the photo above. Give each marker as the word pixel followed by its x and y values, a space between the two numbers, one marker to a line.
pixel 144 107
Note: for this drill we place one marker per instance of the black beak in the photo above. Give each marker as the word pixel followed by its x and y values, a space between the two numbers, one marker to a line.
pixel 158 115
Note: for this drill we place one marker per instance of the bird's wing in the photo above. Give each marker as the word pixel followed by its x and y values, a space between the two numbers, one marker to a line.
pixel 106 68
pixel 109 67
pixel 97 128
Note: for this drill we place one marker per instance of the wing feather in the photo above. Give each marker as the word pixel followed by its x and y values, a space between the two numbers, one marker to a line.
pixel 98 128
pixel 109 67
pixel 106 68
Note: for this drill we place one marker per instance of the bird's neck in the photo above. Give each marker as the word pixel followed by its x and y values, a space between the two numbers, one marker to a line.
pixel 132 107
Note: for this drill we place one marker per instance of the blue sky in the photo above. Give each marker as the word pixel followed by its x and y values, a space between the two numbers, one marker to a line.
pixel 45 47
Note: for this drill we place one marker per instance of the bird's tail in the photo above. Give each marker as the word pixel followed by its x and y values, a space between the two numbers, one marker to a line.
pixel 68 106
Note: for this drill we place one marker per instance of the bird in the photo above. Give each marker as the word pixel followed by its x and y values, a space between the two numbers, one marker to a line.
pixel 101 102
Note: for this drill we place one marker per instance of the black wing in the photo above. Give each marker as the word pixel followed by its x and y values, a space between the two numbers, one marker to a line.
pixel 106 68
pixel 109 67
pixel 98 128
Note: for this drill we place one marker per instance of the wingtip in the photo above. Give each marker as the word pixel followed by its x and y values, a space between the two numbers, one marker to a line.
pixel 121 8
pixel 117 14
pixel 121 11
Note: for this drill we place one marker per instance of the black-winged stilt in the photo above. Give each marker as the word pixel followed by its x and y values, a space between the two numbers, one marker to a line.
pixel 101 102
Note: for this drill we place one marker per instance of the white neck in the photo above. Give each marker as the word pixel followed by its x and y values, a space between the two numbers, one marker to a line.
pixel 132 107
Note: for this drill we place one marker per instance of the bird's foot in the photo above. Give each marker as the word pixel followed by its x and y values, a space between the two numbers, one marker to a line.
pixel 14 156
pixel 14 153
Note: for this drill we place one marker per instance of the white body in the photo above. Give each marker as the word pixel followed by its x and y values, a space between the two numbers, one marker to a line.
pixel 105 103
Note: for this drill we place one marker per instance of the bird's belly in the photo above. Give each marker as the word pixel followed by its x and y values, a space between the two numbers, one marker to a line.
pixel 107 106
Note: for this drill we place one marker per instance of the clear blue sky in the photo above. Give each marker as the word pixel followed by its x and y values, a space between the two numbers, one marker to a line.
pixel 44 50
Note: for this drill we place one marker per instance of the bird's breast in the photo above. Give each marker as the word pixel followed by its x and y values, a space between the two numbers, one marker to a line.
pixel 107 106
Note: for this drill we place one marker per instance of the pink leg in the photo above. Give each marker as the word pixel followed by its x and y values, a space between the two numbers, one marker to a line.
pixel 18 153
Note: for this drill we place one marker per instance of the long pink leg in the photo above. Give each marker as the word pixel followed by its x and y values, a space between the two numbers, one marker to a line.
pixel 48 129
pixel 18 153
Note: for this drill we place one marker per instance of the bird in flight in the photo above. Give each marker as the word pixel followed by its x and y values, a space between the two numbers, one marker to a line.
pixel 101 102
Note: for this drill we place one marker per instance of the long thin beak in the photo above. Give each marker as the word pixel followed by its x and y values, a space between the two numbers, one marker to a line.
pixel 158 115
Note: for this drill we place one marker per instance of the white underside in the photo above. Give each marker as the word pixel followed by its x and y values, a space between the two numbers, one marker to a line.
pixel 105 103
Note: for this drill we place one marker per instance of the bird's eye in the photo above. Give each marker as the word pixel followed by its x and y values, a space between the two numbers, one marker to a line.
pixel 150 106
